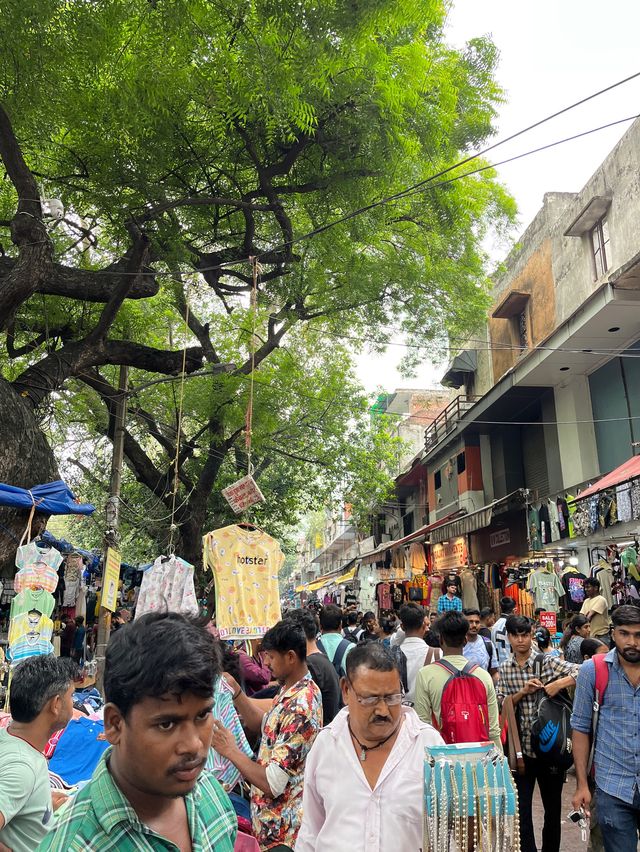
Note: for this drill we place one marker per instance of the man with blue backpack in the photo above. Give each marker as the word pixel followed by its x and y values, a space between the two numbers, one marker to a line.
pixel 606 734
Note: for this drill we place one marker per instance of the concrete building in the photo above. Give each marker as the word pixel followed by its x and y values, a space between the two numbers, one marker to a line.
pixel 548 393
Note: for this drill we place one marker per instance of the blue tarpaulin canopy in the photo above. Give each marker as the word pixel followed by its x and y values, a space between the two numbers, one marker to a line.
pixel 52 498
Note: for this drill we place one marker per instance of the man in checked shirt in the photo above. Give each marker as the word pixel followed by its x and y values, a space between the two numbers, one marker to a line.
pixel 517 678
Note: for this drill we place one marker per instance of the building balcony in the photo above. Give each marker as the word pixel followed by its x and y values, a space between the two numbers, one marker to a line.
pixel 447 420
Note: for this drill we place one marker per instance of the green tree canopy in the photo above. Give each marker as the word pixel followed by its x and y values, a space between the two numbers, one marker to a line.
pixel 185 137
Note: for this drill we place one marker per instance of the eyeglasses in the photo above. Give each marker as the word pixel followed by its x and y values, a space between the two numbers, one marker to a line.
pixel 371 700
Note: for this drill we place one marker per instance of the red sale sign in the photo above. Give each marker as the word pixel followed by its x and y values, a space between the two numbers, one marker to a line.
pixel 549 620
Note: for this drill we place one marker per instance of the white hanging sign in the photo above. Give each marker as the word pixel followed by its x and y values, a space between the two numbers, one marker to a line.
pixel 243 494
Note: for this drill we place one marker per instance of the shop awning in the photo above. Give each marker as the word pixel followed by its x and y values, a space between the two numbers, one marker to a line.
pixel 374 555
pixel 629 470
pixel 341 577
pixel 462 366
pixel 461 526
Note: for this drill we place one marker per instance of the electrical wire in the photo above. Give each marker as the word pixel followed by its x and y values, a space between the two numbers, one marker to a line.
pixel 421 185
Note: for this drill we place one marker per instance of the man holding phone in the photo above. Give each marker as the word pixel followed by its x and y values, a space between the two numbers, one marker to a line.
pixel 617 736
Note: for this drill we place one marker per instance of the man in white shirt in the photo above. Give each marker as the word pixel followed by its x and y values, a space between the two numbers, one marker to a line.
pixel 379 746
pixel 413 621
pixel 499 631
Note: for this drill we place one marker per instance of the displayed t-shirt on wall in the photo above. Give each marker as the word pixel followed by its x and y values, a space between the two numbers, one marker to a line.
pixel 546 589
pixel 245 565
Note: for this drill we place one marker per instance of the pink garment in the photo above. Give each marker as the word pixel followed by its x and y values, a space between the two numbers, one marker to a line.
pixel 254 673
pixel 246 843
pixel 338 806
pixel 168 586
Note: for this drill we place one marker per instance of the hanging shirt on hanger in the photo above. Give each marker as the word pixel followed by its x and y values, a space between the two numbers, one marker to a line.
pixel 30 624
pixel 168 585
pixel 32 599
pixel 245 564
pixel 573 582
pixel 469 589
pixel 546 589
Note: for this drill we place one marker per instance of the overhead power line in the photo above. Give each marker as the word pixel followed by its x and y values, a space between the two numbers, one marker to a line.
pixel 427 182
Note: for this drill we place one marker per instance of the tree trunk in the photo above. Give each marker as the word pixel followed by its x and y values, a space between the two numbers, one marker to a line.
pixel 26 459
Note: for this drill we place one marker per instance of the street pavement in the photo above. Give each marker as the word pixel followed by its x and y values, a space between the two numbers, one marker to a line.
pixel 571 839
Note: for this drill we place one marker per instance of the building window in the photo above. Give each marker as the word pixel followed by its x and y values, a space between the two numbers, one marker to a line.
pixel 437 480
pixel 599 235
pixel 461 463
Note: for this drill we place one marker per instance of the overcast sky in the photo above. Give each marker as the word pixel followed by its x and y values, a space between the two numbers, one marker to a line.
pixel 552 53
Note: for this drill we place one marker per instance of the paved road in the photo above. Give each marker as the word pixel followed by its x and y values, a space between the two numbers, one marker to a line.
pixel 571 839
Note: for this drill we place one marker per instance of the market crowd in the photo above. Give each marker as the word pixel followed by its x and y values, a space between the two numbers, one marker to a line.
pixel 314 740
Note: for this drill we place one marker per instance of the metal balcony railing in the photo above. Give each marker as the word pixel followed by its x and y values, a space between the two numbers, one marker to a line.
pixel 447 420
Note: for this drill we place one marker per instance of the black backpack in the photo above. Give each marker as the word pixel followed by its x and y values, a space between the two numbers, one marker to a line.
pixel 338 657
pixel 351 637
pixel 401 661
pixel 551 726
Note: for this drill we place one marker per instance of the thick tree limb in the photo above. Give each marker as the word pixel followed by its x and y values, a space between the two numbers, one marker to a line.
pixel 74 359
pixel 28 232
pixel 83 284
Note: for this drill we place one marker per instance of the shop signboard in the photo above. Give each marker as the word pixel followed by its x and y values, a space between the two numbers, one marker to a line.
pixel 549 620
pixel 450 554
pixel 499 538
pixel 243 494
pixel 110 579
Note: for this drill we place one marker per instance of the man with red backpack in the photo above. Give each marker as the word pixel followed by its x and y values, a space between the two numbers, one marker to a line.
pixel 606 732
pixel 457 696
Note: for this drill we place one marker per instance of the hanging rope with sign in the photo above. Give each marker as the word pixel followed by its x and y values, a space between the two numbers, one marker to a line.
pixel 256 269
pixel 244 493
pixel 176 461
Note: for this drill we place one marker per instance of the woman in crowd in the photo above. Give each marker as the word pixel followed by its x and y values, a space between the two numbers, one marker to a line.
pixel 543 639
pixel 577 630
pixel 591 647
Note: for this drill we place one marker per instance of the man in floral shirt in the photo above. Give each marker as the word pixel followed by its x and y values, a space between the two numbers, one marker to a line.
pixel 288 731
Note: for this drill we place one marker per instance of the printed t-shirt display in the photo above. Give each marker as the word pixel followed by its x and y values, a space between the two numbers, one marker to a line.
pixel 245 564
pixel 25 794
pixel 546 589
pixel 573 582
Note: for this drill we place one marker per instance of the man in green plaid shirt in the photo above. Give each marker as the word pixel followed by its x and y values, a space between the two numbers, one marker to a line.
pixel 149 791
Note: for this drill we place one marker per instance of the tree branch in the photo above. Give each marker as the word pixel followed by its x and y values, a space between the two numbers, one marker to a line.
pixel 75 358
pixel 84 284
pixel 135 262
pixel 201 201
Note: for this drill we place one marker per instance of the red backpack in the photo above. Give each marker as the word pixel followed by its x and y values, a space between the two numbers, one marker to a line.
pixel 464 714
pixel 601 669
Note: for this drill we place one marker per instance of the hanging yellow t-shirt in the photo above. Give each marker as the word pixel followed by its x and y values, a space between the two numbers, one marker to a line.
pixel 245 565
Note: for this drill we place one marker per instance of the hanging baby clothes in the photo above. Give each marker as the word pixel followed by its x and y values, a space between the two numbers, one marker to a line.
pixel 168 587
pixel 469 589
pixel 245 564
pixel 32 599
pixel 72 579
pixel 38 567
pixel 30 624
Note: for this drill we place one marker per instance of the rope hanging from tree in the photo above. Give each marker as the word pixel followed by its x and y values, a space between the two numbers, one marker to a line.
pixel 176 461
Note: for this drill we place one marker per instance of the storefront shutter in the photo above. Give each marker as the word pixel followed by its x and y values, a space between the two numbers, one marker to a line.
pixel 534 459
